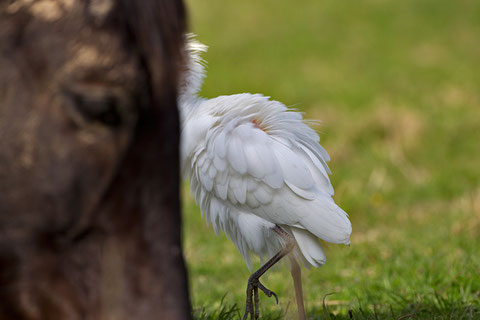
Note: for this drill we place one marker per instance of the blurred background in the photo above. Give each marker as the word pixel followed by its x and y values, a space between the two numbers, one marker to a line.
pixel 396 85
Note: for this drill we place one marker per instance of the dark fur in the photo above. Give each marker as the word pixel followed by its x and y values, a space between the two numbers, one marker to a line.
pixel 89 191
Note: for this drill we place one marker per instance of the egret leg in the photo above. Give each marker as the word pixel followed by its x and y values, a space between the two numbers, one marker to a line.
pixel 252 307
pixel 297 283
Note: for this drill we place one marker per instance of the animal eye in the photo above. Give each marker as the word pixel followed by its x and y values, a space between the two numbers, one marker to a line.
pixel 88 103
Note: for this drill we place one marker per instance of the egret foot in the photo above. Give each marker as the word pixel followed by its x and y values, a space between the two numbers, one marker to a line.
pixel 251 307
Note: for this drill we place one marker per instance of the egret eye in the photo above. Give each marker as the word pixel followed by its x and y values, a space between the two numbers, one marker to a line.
pixel 97 104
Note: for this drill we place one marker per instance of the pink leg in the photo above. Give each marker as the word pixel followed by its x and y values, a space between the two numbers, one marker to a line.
pixel 297 282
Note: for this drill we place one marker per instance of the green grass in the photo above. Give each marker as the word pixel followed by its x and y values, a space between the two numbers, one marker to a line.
pixel 397 86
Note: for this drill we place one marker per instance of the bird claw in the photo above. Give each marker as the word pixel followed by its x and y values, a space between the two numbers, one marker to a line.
pixel 252 307
pixel 268 293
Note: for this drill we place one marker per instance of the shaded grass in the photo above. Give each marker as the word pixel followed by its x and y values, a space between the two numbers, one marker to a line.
pixel 435 307
pixel 397 85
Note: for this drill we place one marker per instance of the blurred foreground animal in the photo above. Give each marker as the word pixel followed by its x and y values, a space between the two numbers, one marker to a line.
pixel 89 205
pixel 259 174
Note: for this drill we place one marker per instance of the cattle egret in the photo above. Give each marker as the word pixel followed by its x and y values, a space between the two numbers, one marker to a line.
pixel 259 174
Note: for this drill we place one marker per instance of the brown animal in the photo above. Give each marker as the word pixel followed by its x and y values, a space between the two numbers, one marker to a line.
pixel 89 204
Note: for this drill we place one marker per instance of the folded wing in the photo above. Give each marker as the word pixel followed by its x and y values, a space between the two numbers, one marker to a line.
pixel 260 158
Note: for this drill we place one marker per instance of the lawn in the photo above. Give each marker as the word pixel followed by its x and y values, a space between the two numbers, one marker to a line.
pixel 397 87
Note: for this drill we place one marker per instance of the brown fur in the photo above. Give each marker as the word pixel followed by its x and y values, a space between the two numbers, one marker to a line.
pixel 89 204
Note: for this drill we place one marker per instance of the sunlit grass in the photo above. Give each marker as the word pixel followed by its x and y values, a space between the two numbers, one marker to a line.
pixel 397 87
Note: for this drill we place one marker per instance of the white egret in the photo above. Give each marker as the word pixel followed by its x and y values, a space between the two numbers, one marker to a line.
pixel 259 174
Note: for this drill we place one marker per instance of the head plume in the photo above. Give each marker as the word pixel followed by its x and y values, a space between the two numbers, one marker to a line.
pixel 194 72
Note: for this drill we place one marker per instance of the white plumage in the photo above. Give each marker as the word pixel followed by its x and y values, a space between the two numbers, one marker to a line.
pixel 253 164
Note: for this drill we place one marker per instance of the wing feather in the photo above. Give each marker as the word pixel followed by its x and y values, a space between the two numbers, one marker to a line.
pixel 255 166
pixel 240 189
pixel 236 157
pixel 247 164
pixel 293 167
pixel 260 162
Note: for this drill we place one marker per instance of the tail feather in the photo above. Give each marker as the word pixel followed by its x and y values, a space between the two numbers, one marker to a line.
pixel 327 221
pixel 309 247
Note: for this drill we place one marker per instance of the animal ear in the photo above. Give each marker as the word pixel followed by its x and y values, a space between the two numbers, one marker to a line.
pixel 157 29
pixel 106 105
